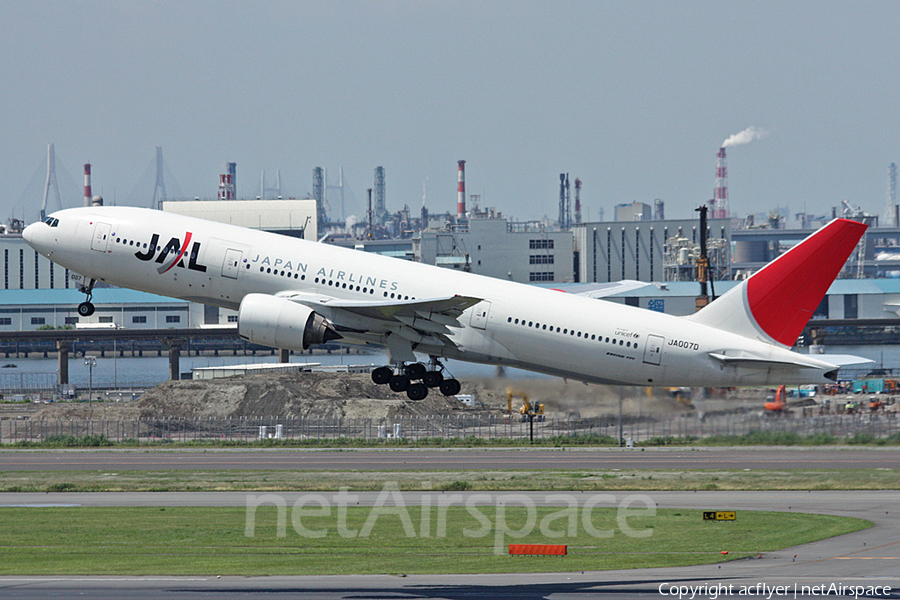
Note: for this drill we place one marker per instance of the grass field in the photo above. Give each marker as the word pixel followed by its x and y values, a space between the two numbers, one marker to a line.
pixel 506 480
pixel 214 541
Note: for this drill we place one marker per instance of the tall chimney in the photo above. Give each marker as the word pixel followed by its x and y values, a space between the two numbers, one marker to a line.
pixel 88 196
pixel 461 191
pixel 577 200
pixel 720 208
pixel 228 182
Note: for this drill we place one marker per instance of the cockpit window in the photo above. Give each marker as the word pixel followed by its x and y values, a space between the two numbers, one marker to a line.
pixel 51 221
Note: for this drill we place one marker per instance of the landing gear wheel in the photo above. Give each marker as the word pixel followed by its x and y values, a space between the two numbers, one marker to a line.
pixel 433 379
pixel 85 309
pixel 399 383
pixel 415 370
pixel 382 375
pixel 450 387
pixel 416 391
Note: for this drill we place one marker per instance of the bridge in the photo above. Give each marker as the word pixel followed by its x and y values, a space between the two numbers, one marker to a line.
pixel 173 339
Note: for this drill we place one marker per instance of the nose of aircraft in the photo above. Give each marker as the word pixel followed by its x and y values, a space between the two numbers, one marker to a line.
pixel 37 235
pixel 28 232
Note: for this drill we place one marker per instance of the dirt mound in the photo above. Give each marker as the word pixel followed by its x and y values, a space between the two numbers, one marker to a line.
pixel 343 395
pixel 329 396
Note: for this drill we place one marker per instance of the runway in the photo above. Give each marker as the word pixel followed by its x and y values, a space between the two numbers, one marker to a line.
pixel 870 558
pixel 456 459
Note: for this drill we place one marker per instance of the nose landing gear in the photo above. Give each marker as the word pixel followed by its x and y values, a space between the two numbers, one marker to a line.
pixel 415 379
pixel 86 309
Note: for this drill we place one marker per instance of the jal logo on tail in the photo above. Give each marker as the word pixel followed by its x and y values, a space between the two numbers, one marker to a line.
pixel 173 253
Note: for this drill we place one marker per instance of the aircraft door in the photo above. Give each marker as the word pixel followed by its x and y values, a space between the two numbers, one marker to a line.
pixel 653 349
pixel 480 314
pixel 101 236
pixel 232 263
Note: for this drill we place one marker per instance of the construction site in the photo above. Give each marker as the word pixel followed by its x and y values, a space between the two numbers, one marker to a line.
pixel 309 407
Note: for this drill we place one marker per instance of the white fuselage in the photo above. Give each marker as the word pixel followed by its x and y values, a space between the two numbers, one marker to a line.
pixel 515 324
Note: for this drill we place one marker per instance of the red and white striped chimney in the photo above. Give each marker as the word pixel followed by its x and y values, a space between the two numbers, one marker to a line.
pixel 720 194
pixel 87 184
pixel 461 191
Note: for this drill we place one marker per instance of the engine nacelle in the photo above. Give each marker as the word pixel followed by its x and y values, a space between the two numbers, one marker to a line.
pixel 279 323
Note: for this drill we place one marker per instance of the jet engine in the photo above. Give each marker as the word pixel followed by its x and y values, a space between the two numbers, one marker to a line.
pixel 279 323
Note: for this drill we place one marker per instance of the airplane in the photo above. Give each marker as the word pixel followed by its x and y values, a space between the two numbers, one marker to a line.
pixel 291 294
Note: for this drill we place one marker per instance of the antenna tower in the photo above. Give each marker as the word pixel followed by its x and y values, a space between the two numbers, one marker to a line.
pixel 319 195
pixel 270 193
pixel 51 180
pixel 159 190
pixel 380 209
pixel 339 187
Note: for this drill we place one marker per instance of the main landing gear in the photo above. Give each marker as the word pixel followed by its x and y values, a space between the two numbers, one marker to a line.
pixel 86 309
pixel 415 379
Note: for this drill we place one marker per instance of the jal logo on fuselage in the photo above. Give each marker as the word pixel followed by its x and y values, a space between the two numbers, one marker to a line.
pixel 173 253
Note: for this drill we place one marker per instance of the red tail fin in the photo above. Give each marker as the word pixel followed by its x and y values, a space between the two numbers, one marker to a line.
pixel 776 302
pixel 785 293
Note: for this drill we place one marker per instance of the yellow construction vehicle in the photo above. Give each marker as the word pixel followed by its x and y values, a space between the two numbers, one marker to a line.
pixel 527 410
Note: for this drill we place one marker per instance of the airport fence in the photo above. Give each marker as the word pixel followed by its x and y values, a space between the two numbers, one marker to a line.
pixel 444 427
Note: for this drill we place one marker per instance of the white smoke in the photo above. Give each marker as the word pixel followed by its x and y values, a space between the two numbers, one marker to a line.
pixel 745 137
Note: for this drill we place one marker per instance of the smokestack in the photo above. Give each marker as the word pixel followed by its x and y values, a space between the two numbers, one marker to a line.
pixel 369 217
pixel 577 200
pixel 562 201
pixel 461 191
pixel 380 209
pixel 228 182
pixel 720 196
pixel 87 184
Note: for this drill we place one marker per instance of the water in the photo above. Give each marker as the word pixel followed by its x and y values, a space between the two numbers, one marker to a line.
pixel 151 371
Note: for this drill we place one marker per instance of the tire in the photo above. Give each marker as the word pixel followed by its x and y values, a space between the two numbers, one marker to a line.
pixel 415 371
pixel 399 383
pixel 417 391
pixel 433 379
pixel 85 309
pixel 382 375
pixel 450 387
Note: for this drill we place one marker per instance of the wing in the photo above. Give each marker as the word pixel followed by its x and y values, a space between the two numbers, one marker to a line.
pixel 403 323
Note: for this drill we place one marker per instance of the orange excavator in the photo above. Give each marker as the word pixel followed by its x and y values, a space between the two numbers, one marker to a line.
pixel 777 404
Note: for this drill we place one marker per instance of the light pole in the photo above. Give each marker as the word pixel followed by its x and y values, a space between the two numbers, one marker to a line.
pixel 90 362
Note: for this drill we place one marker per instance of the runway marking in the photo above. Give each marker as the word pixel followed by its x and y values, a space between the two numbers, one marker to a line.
pixel 867 558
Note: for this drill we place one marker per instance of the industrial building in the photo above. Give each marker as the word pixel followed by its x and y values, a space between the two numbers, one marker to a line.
pixel 25 269
pixel 849 299
pixel 647 250
pixel 498 248
pixel 23 310
pixel 296 218
pixel 639 245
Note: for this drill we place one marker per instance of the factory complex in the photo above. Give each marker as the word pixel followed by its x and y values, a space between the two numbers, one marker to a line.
pixel 640 244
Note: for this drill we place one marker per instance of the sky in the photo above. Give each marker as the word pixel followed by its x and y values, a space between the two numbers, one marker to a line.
pixel 632 97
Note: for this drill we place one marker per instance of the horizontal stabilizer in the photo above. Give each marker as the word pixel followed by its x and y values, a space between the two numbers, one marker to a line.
pixel 844 360
pixel 746 359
